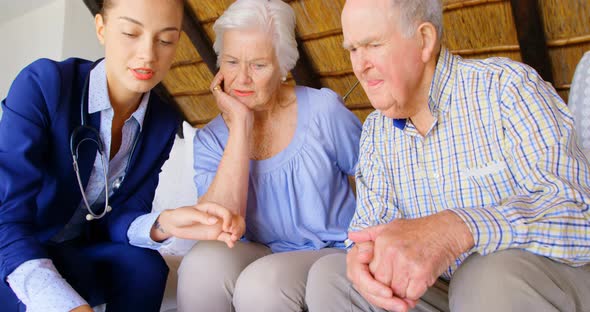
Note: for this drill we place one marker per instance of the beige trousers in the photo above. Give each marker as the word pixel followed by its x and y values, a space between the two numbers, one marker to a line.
pixel 511 280
pixel 245 278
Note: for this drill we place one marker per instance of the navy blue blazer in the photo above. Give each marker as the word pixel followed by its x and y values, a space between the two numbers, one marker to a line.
pixel 38 186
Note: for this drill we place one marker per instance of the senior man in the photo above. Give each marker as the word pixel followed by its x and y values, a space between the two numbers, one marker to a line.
pixel 468 171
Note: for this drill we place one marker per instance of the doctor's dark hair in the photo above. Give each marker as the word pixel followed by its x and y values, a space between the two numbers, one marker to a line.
pixel 108 4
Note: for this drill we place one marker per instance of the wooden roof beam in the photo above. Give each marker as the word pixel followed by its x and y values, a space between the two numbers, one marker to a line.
pixel 198 37
pixel 531 37
pixel 303 72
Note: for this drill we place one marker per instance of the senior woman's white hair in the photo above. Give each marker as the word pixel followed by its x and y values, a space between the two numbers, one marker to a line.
pixel 274 16
pixel 414 12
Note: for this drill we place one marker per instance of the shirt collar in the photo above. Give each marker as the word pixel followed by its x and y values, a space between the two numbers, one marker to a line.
pixel 98 95
pixel 444 78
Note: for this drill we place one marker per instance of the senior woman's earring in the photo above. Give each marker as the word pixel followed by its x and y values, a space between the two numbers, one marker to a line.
pixel 283 79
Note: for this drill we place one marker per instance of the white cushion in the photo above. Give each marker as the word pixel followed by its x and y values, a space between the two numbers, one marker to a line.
pixel 176 187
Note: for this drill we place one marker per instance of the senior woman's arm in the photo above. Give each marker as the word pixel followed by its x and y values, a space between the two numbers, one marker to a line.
pixel 229 187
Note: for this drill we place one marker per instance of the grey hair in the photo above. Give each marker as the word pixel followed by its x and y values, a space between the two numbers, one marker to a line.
pixel 414 12
pixel 274 16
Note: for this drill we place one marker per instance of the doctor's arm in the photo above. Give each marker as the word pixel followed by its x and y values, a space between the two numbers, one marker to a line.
pixel 23 142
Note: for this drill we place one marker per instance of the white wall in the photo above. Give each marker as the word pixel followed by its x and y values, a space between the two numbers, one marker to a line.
pixel 37 33
pixel 79 35
pixel 55 29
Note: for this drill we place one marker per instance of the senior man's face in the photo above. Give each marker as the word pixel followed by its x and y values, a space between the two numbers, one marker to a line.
pixel 387 64
pixel 250 70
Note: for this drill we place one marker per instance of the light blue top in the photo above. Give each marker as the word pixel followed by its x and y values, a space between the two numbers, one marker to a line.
pixel 300 198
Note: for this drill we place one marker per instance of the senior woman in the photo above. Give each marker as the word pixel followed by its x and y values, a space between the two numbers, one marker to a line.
pixel 279 156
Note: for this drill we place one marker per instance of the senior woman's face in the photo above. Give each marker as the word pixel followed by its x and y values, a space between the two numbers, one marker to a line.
pixel 249 67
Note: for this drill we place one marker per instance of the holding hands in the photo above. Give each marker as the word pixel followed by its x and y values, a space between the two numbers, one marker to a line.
pixel 393 265
pixel 206 221
pixel 377 293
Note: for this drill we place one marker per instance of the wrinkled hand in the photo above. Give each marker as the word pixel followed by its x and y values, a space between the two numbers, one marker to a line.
pixel 376 293
pixel 232 110
pixel 410 254
pixel 206 221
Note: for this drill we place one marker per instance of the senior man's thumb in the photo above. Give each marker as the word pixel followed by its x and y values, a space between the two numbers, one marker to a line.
pixel 365 235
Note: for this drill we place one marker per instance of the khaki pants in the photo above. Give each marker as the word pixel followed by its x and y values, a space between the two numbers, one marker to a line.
pixel 245 278
pixel 511 280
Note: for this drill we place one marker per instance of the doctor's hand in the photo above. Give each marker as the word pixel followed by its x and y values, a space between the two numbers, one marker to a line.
pixel 376 293
pixel 234 112
pixel 410 254
pixel 207 221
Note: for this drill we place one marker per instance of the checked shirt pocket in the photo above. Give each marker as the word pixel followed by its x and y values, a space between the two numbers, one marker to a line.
pixel 491 183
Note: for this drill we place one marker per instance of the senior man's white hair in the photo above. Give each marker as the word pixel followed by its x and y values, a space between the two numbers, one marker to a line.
pixel 274 16
pixel 414 12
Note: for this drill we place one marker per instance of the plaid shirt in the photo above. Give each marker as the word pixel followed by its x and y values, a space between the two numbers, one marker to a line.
pixel 501 154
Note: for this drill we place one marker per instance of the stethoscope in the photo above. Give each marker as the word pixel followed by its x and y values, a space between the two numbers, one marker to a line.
pixel 90 134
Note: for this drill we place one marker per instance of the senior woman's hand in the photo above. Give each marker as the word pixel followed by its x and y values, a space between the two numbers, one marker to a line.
pixel 234 111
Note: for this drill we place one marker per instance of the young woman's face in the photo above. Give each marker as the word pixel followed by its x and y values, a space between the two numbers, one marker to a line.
pixel 140 39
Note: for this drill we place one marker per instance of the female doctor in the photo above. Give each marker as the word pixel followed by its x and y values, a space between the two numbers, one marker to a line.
pixel 81 147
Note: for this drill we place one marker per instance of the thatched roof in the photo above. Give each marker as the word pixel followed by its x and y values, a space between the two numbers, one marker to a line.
pixel 550 35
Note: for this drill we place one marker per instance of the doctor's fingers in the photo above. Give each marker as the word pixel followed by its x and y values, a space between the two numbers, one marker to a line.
pixel 218 211
pixel 193 216
pixel 184 216
pixel 198 232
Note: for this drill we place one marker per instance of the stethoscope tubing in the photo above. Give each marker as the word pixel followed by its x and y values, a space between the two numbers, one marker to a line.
pixel 101 150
